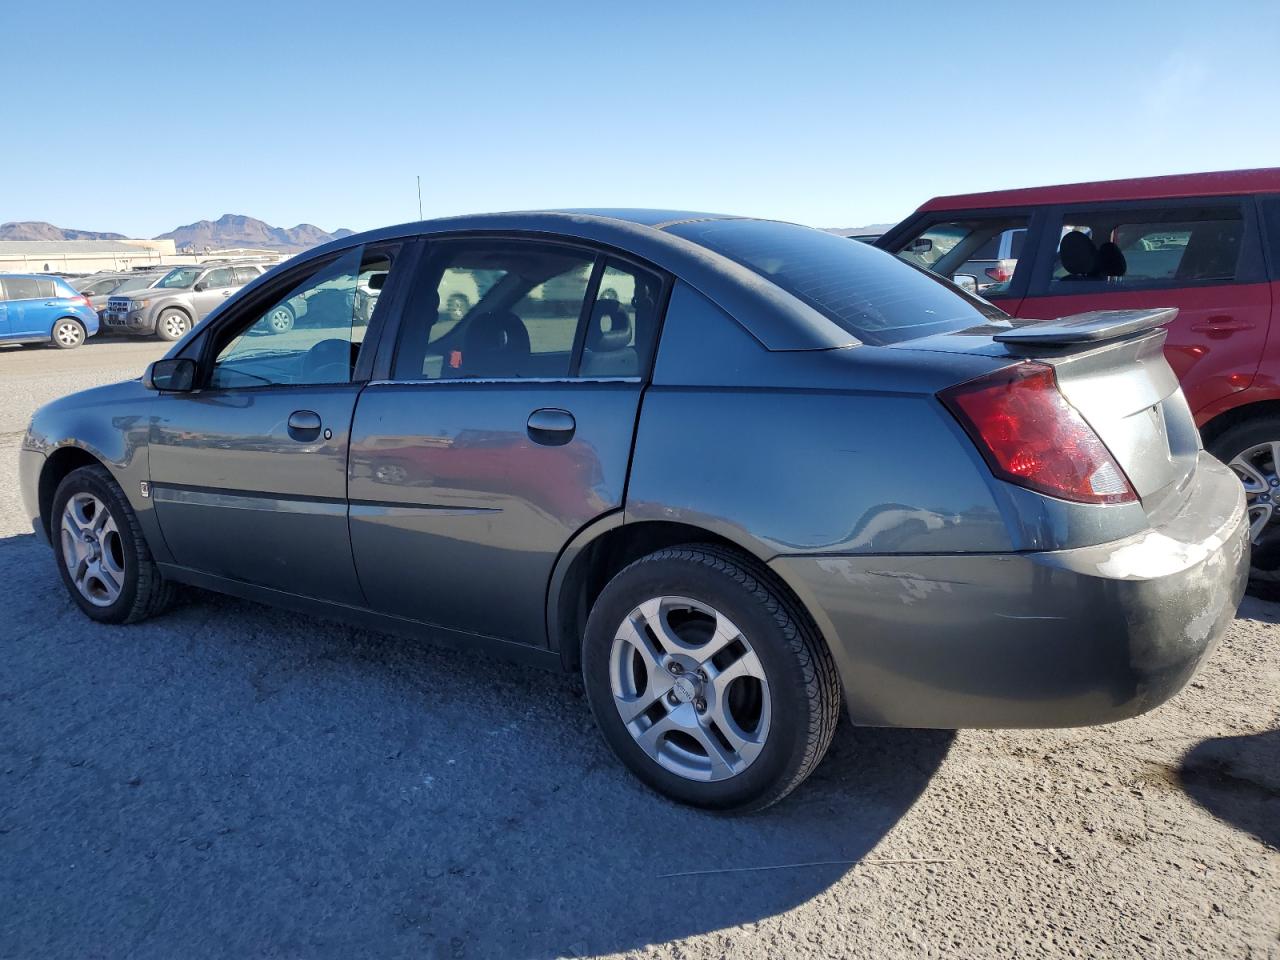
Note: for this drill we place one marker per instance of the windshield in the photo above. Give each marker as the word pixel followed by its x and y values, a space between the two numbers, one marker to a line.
pixel 179 278
pixel 867 292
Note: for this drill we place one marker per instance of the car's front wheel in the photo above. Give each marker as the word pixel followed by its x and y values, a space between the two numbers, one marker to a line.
pixel 1252 450
pixel 172 325
pixel 280 319
pixel 68 334
pixel 102 556
pixel 708 682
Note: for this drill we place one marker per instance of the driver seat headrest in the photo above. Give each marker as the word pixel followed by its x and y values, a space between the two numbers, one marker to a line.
pixel 1077 253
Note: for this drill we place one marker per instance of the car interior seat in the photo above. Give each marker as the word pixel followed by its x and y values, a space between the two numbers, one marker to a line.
pixel 1078 255
pixel 608 350
pixel 496 344
pixel 1110 262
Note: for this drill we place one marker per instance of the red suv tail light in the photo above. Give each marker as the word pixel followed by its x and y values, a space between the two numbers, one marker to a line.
pixel 1000 273
pixel 1030 435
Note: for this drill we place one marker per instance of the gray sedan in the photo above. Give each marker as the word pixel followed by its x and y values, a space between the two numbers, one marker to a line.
pixel 739 473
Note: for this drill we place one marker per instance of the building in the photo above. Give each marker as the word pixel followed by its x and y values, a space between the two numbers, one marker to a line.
pixel 82 256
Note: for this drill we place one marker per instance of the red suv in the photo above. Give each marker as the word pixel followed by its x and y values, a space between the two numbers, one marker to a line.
pixel 1206 243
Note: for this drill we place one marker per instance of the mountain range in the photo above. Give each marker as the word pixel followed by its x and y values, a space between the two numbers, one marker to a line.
pixel 229 230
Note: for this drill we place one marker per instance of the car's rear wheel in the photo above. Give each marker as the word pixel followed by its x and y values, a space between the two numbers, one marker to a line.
pixel 1252 450
pixel 102 556
pixel 172 325
pixel 280 319
pixel 68 334
pixel 708 682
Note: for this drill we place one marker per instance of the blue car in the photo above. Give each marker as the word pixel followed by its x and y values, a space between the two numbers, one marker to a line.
pixel 40 309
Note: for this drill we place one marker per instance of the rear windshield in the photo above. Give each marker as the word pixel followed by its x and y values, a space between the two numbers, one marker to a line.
pixel 869 293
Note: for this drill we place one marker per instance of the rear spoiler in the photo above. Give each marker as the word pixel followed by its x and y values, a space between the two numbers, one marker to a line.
pixel 1092 327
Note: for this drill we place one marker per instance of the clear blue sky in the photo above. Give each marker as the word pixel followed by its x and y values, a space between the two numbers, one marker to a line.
pixel 138 117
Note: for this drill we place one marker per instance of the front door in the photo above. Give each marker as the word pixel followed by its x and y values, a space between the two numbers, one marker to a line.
pixel 249 473
pixel 506 428
pixel 1201 256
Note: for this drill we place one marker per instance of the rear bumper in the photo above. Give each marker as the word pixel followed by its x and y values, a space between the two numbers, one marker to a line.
pixel 1065 638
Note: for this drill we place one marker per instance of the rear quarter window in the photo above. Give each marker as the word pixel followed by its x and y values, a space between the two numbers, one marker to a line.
pixel 867 292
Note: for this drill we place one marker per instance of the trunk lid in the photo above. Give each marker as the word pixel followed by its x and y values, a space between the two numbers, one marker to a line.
pixel 1110 366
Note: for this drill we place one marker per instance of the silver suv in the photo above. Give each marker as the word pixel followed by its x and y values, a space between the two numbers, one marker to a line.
pixel 185 296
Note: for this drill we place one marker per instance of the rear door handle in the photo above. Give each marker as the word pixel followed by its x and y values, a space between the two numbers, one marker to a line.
pixel 1222 325
pixel 304 425
pixel 551 426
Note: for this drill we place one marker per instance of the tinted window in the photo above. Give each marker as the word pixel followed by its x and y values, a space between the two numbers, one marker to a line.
pixel 985 248
pixel 309 334
pixel 23 288
pixel 1149 247
pixel 870 294
pixel 495 309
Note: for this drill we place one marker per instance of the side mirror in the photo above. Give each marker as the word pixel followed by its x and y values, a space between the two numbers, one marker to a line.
pixel 177 375
pixel 201 285
pixel 965 281
pixel 920 245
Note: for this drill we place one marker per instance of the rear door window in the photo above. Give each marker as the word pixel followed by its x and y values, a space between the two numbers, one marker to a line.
pixel 1149 248
pixel 221 277
pixel 23 288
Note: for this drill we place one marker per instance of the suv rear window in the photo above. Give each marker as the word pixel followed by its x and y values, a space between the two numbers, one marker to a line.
pixel 867 292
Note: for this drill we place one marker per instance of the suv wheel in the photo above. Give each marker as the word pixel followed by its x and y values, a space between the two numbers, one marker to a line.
pixel 102 556
pixel 67 334
pixel 172 325
pixel 1252 450
pixel 707 682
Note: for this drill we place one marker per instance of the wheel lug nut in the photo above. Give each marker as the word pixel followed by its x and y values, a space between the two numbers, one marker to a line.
pixel 700 705
pixel 673 699
pixel 675 667
pixel 702 675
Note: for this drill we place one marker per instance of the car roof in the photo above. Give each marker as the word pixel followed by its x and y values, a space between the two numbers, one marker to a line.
pixel 1219 183
pixel 34 276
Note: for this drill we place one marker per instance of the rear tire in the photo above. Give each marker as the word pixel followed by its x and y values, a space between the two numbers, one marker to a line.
pixel 67 334
pixel 734 731
pixel 172 325
pixel 102 556
pixel 1252 450
pixel 280 319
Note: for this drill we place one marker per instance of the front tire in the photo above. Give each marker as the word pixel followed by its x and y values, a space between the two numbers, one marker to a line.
pixel 1252 450
pixel 710 683
pixel 172 325
pixel 101 553
pixel 67 334
pixel 280 319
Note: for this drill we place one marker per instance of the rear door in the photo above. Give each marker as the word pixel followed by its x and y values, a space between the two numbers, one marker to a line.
pixel 986 251
pixel 1202 256
pixel 505 427
pixel 249 472
pixel 31 306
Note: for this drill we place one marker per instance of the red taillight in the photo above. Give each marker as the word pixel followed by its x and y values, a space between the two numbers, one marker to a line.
pixel 85 300
pixel 999 273
pixel 1031 436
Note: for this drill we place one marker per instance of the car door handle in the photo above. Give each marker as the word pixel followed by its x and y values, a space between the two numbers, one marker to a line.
pixel 1222 325
pixel 304 425
pixel 551 426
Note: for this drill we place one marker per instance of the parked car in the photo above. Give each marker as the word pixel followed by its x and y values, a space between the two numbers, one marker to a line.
pixel 100 288
pixel 37 308
pixel 180 299
pixel 1208 244
pixel 735 471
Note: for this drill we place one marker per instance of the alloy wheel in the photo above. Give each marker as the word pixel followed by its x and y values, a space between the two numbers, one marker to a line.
pixel 92 549
pixel 175 325
pixel 67 333
pixel 689 688
pixel 1258 468
pixel 280 320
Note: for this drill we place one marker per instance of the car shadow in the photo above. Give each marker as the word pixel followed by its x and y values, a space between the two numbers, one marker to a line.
pixel 230 779
pixel 1237 779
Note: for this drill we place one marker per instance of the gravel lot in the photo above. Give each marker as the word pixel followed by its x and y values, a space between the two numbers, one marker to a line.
pixel 233 781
